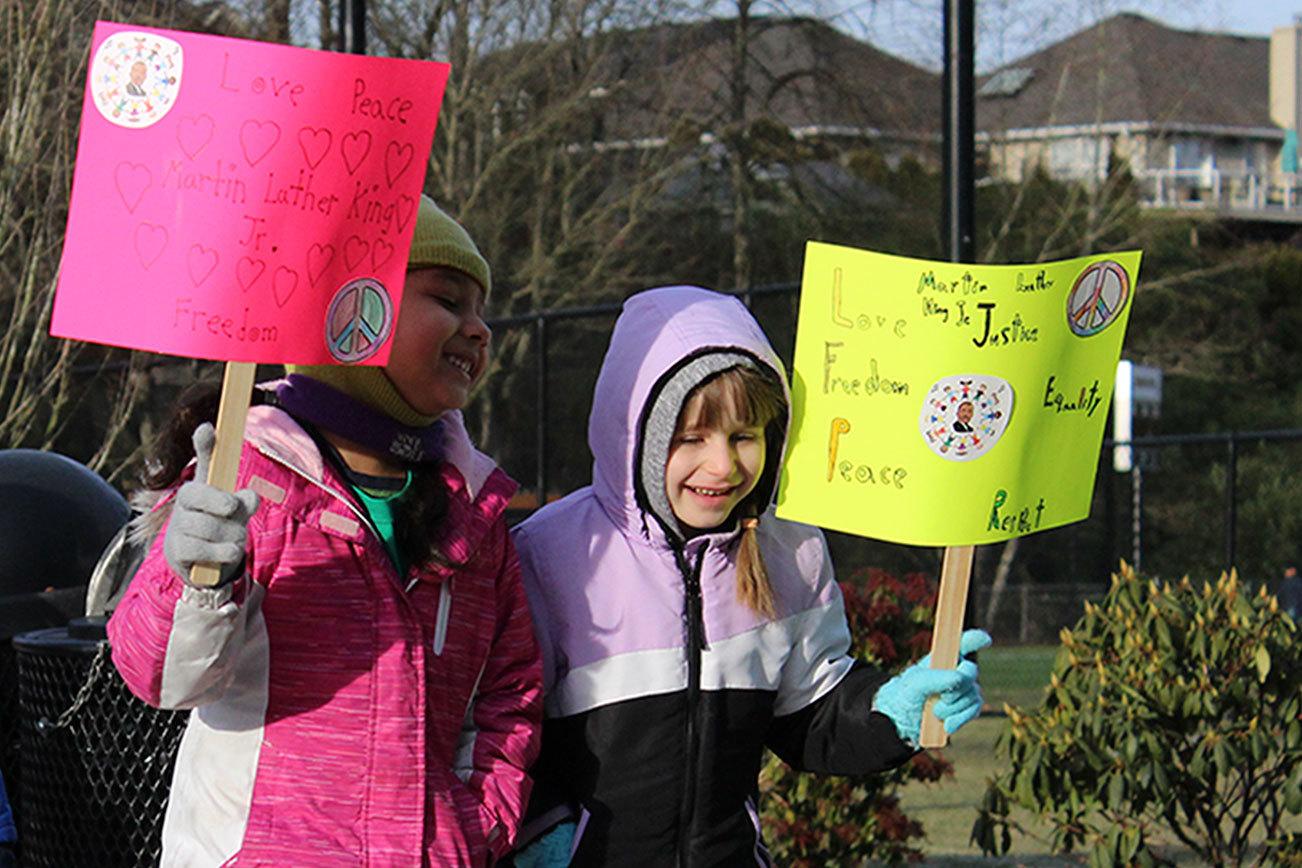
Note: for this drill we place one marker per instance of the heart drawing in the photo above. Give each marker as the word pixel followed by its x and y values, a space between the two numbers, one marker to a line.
pixel 355 251
pixel 257 138
pixel 284 284
pixel 380 252
pixel 194 134
pixel 150 241
pixel 315 144
pixel 248 270
pixel 132 180
pixel 200 262
pixel 355 147
pixel 396 160
pixel 406 207
pixel 319 257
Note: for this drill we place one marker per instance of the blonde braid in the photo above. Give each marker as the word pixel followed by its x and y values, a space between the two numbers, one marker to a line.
pixel 753 586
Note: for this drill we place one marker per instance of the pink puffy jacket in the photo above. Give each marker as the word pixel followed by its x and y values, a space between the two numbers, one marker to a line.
pixel 342 715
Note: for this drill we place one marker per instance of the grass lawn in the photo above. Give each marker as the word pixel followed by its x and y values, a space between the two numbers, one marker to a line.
pixel 947 810
pixel 1016 676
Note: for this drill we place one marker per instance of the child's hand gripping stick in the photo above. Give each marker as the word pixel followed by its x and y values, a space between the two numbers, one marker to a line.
pixel 205 538
pixel 953 696
pixel 955 574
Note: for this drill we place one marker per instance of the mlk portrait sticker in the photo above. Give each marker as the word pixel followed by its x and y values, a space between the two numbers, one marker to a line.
pixel 135 77
pixel 964 415
pixel 359 321
pixel 1097 298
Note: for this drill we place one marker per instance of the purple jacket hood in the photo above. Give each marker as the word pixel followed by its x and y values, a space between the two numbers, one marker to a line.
pixel 658 330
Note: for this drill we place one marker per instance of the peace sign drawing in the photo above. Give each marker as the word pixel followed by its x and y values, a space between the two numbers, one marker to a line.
pixel 359 321
pixel 1097 298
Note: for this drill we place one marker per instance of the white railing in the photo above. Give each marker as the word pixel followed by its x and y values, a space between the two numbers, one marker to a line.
pixel 1215 189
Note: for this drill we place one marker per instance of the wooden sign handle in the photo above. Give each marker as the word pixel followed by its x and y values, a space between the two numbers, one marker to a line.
pixel 955 574
pixel 237 388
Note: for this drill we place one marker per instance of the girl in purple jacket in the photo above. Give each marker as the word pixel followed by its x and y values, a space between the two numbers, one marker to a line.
pixel 684 627
pixel 364 681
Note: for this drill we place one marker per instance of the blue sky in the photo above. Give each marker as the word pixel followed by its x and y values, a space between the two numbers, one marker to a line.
pixel 1008 29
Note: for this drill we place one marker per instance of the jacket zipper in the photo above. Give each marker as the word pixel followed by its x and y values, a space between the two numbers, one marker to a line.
pixel 445 609
pixel 695 645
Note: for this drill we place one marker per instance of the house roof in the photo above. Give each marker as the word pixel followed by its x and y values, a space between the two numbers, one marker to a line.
pixel 1130 69
pixel 806 75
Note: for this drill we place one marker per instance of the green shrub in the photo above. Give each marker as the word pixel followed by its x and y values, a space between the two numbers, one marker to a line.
pixel 1173 713
pixel 812 821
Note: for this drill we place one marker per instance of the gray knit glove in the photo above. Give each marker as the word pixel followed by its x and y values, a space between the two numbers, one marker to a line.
pixel 208 525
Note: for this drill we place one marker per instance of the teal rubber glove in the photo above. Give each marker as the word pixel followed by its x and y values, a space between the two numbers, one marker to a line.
pixel 904 697
pixel 552 850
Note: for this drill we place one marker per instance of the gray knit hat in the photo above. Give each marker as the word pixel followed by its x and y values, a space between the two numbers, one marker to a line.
pixel 662 420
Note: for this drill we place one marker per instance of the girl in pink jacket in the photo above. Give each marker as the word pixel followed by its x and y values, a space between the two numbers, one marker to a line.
pixel 365 684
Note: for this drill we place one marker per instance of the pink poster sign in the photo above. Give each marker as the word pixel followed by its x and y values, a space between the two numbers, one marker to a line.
pixel 243 201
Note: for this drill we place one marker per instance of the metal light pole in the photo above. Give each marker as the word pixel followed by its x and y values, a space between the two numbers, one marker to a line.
pixel 352 26
pixel 956 565
pixel 959 130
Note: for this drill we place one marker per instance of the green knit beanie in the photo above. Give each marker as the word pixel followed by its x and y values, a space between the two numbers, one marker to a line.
pixel 437 240
pixel 440 240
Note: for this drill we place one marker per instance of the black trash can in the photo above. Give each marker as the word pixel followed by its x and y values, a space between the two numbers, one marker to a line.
pixel 56 518
pixel 96 762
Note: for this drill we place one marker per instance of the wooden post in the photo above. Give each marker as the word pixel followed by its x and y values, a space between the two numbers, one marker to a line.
pixel 955 574
pixel 237 388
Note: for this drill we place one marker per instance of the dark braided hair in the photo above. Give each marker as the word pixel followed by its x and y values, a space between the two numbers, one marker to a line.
pixel 419 516
pixel 174 446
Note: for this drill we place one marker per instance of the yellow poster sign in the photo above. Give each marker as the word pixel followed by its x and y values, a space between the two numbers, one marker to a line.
pixel 939 403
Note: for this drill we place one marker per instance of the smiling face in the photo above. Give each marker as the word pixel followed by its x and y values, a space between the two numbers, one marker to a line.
pixel 440 344
pixel 964 412
pixel 138 73
pixel 715 459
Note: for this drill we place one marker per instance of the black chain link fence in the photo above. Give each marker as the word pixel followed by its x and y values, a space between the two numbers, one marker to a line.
pixel 1200 503
pixel 95 762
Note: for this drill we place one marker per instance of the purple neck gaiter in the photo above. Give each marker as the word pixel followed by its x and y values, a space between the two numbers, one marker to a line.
pixel 332 410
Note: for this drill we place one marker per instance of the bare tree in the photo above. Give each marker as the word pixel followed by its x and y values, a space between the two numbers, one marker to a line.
pixel 739 158
pixel 84 400
pixel 520 156
pixel 45 383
